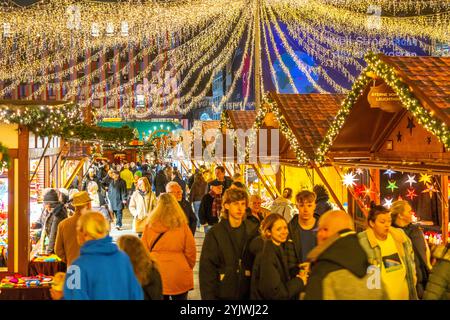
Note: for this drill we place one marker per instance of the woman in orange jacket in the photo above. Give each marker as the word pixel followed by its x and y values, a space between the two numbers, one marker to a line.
pixel 170 241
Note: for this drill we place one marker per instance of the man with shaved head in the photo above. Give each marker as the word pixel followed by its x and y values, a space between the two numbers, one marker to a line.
pixel 339 265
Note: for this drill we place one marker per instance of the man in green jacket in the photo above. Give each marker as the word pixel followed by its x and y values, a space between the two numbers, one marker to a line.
pixel 438 287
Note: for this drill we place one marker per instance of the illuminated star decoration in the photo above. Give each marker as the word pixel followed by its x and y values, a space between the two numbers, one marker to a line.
pixel 349 179
pixel 359 190
pixel 367 192
pixel 430 189
pixel 392 185
pixel 411 180
pixel 389 172
pixel 425 178
pixel 359 171
pixel 388 203
pixel 411 194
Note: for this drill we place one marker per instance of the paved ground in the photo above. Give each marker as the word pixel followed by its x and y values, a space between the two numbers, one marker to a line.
pixel 199 236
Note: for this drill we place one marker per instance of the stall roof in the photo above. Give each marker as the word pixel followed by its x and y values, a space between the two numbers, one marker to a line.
pixel 241 119
pixel 428 79
pixel 308 116
pixel 414 135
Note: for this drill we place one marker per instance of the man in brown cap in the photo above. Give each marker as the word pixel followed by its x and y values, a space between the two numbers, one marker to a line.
pixel 67 247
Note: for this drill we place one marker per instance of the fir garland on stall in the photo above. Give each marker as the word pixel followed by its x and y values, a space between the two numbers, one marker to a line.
pixel 409 101
pixel 5 160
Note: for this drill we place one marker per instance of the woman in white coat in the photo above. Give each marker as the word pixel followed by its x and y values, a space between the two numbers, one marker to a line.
pixel 142 202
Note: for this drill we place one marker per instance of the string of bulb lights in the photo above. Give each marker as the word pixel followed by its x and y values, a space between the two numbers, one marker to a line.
pixel 47 44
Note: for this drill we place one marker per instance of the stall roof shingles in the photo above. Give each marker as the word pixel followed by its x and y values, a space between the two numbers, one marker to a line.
pixel 309 116
pixel 429 78
pixel 210 124
pixel 242 119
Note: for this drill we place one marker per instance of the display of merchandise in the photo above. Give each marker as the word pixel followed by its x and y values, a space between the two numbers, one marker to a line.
pixel 4 220
pixel 19 281
pixel 46 258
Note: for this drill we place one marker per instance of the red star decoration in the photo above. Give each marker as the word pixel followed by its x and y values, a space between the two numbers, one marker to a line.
pixel 411 194
pixel 359 190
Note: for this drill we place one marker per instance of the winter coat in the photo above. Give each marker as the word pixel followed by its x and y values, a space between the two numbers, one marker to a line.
pixel 270 276
pixel 339 270
pixel 438 287
pixel 117 194
pixel 227 182
pixel 225 274
pixel 160 182
pixel 88 179
pixel 50 221
pixel 405 251
pixel 128 177
pixel 189 212
pixel 322 206
pixel 294 229
pixel 283 207
pixel 175 253
pixel 153 289
pixel 205 211
pixel 103 272
pixel 67 246
pixel 198 190
pixel 140 208
pixel 421 256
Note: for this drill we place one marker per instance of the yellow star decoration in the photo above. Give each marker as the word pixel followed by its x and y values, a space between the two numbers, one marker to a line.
pixel 430 189
pixel 425 178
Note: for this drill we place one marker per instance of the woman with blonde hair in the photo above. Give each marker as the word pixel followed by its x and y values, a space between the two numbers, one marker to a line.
pixel 170 242
pixel 142 202
pixel 144 266
pixel 102 271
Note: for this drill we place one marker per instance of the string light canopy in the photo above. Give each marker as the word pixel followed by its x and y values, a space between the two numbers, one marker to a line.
pixel 48 43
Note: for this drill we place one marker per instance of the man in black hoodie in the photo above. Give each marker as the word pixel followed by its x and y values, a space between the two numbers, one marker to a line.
pixel 339 265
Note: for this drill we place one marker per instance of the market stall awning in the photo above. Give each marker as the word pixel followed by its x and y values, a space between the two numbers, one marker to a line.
pixel 145 128
pixel 398 113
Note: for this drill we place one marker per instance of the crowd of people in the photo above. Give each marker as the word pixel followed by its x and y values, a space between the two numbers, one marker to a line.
pixel 293 250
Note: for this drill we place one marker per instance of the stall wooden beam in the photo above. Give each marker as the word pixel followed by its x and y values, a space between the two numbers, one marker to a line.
pixel 75 173
pixel 194 164
pixel 260 177
pixel 184 166
pixel 445 208
pixel 274 187
pixel 23 227
pixel 325 181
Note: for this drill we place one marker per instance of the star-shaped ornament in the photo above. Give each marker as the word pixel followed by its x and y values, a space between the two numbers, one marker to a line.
pixel 411 194
pixel 411 180
pixel 359 171
pixel 425 178
pixel 392 185
pixel 388 203
pixel 389 172
pixel 359 190
pixel 349 179
pixel 410 125
pixel 430 189
pixel 367 191
pixel 399 137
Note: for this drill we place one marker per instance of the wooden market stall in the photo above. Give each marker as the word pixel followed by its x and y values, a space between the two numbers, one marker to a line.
pixel 395 123
pixel 302 121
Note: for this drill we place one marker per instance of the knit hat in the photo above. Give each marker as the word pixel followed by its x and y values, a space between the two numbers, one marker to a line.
pixel 138 173
pixel 80 199
pixel 51 196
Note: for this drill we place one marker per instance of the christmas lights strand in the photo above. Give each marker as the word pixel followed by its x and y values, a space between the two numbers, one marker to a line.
pixel 269 59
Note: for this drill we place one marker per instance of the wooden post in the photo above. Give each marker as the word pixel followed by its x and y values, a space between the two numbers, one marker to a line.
pixel 325 181
pixel 445 208
pixel 23 226
pixel 260 177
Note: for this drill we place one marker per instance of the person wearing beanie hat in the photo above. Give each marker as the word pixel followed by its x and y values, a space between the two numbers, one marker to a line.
pixel 54 212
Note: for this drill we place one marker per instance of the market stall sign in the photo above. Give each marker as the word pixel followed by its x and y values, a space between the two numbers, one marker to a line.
pixel 384 98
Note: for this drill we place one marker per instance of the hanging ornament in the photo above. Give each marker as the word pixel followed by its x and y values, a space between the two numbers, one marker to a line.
pixel 367 191
pixel 410 125
pixel 349 179
pixel 359 171
pixel 425 178
pixel 388 203
pixel 390 172
pixel 411 180
pixel 359 190
pixel 411 194
pixel 430 189
pixel 392 185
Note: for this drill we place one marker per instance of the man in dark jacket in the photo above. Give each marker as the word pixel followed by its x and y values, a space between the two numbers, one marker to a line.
pixel 438 287
pixel 175 189
pixel 162 179
pixel 118 196
pixel 210 206
pixel 225 267
pixel 402 218
pixel 339 265
pixel 322 201
pixel 220 177
pixel 54 213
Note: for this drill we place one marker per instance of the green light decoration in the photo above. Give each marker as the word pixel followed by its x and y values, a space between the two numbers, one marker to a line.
pixel 392 185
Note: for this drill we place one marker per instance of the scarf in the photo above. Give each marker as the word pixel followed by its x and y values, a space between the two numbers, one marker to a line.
pixel 217 204
pixel 142 193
